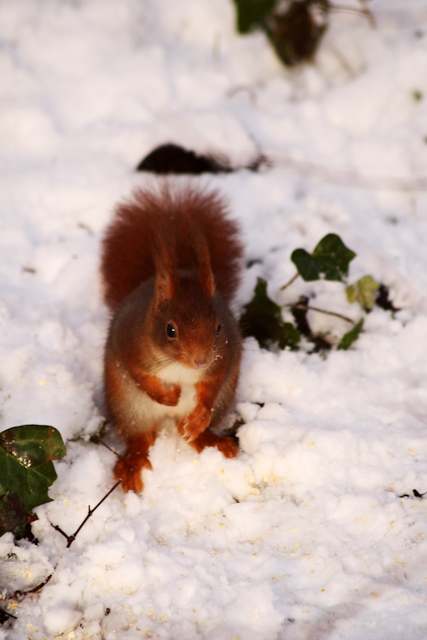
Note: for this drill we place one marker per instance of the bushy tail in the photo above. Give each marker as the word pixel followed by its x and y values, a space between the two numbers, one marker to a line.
pixel 168 223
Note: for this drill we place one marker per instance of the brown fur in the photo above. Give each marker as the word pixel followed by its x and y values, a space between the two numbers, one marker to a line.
pixel 127 257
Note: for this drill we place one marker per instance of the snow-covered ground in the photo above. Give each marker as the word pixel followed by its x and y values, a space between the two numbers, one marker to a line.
pixel 304 535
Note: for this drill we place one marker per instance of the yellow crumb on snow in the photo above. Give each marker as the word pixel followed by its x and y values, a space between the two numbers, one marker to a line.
pixel 27 572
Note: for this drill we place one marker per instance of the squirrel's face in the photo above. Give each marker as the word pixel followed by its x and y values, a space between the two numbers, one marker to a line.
pixel 187 329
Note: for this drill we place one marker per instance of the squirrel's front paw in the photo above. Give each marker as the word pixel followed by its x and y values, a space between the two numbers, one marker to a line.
pixel 171 394
pixel 196 422
pixel 161 392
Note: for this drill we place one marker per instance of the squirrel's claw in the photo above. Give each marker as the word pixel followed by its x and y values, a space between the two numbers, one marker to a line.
pixel 196 422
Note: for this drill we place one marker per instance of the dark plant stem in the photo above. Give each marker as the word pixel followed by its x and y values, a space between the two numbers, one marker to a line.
pixel 306 307
pixel 364 11
pixel 21 594
pixel 90 512
pixel 70 539
pixel 289 283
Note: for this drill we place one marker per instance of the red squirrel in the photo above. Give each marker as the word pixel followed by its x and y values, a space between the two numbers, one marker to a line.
pixel 170 265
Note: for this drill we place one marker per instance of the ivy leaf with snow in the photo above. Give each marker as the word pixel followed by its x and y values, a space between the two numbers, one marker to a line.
pixel 26 470
pixel 330 260
pixel 262 319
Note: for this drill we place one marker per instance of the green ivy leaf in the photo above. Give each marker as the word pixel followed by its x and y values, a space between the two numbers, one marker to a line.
pixel 308 267
pixel 26 469
pixel 363 291
pixel 262 319
pixel 12 512
pixel 350 337
pixel 252 13
pixel 330 260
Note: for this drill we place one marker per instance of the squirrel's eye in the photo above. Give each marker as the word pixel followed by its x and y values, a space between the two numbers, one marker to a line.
pixel 170 331
pixel 218 331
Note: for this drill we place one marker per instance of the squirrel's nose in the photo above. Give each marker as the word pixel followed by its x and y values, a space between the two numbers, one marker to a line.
pixel 201 363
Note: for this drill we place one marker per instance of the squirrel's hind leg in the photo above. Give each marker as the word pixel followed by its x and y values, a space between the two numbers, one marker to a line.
pixel 128 468
pixel 225 444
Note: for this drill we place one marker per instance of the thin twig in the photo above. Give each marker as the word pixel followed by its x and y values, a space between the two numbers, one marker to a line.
pixel 7 615
pixel 109 448
pixel 70 539
pixel 364 12
pixel 21 594
pixel 59 530
pixel 329 313
pixel 368 13
pixel 290 282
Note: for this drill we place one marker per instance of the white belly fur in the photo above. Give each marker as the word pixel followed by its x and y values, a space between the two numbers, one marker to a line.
pixel 146 412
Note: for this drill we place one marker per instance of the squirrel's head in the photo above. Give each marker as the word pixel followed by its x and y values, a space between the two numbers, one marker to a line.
pixel 186 327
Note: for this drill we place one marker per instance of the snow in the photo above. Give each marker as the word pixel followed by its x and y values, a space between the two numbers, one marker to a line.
pixel 304 535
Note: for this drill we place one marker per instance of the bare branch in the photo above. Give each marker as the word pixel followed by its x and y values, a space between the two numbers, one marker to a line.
pixel 90 512
pixel 307 307
pixel 290 282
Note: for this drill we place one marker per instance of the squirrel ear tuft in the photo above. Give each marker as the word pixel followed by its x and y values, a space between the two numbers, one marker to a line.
pixel 201 250
pixel 165 266
pixel 206 277
pixel 166 286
